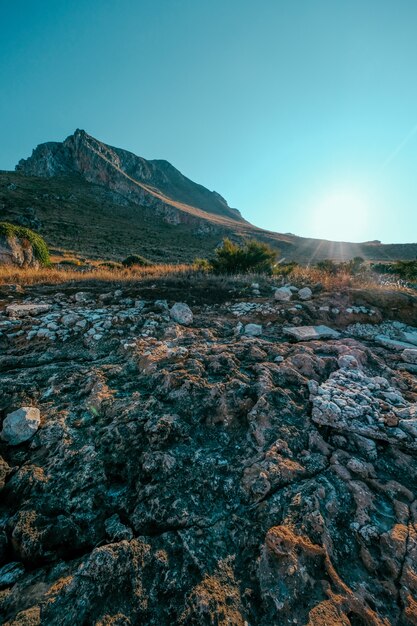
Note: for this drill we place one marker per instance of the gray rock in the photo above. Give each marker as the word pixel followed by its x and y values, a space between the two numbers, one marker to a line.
pixel 116 530
pixel 305 293
pixel 283 294
pixel 385 341
pixel 307 333
pixel 253 330
pixel 21 425
pixel 348 362
pixel 409 355
pixel 181 313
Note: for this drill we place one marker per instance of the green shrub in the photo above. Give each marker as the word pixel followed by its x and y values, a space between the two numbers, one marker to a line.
pixel 251 256
pixel 407 270
pixel 135 259
pixel 40 249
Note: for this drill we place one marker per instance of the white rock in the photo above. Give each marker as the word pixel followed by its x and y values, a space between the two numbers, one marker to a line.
pixel 21 425
pixel 409 355
pixel 306 333
pixel 283 294
pixel 20 310
pixel 181 313
pixel 253 330
pixel 305 293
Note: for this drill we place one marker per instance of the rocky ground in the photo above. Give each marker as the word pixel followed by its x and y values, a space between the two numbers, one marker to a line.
pixel 251 461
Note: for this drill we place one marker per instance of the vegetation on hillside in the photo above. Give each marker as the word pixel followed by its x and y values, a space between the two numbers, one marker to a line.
pixel 251 256
pixel 407 270
pixel 135 260
pixel 40 249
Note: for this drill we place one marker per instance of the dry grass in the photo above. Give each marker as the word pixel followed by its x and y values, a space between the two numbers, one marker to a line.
pixel 343 280
pixel 186 277
pixel 55 276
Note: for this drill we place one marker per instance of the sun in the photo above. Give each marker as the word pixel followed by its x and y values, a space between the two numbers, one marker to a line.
pixel 341 214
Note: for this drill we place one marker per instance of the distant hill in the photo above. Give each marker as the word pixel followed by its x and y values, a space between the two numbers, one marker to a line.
pixel 98 201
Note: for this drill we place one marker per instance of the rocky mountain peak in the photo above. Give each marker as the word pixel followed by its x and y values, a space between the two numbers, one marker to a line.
pixel 152 183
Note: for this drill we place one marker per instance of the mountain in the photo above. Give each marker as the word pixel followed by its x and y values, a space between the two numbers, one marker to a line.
pixel 156 184
pixel 99 201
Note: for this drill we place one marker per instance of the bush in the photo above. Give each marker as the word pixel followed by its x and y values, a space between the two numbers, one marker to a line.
pixel 285 269
pixel 407 270
pixel 136 259
pixel 202 265
pixel 40 249
pixel 328 266
pixel 251 256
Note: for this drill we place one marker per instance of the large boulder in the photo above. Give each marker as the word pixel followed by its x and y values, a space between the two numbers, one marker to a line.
pixel 21 425
pixel 14 251
pixel 21 247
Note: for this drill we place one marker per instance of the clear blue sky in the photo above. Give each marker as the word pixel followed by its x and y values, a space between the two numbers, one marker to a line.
pixel 300 112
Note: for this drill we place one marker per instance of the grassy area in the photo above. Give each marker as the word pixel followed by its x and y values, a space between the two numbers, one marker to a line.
pixel 184 276
pixel 58 275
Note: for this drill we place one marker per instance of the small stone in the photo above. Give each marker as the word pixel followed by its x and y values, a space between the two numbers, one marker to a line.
pixel 20 425
pixel 253 330
pixel 83 296
pixel 181 313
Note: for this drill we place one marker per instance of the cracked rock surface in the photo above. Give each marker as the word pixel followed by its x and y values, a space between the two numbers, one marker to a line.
pixel 197 474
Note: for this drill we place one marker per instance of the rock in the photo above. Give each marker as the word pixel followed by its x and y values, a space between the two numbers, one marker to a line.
pixel 307 333
pixel 10 573
pixel 305 293
pixel 409 337
pixel 20 425
pixel 181 313
pixel 253 330
pixel 409 355
pixel 21 310
pixel 394 344
pixel 4 471
pixel 14 251
pixel 283 294
pixel 115 530
pixel 83 296
pixel 348 361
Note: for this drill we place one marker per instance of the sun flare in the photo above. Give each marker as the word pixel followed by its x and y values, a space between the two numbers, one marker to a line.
pixel 341 214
